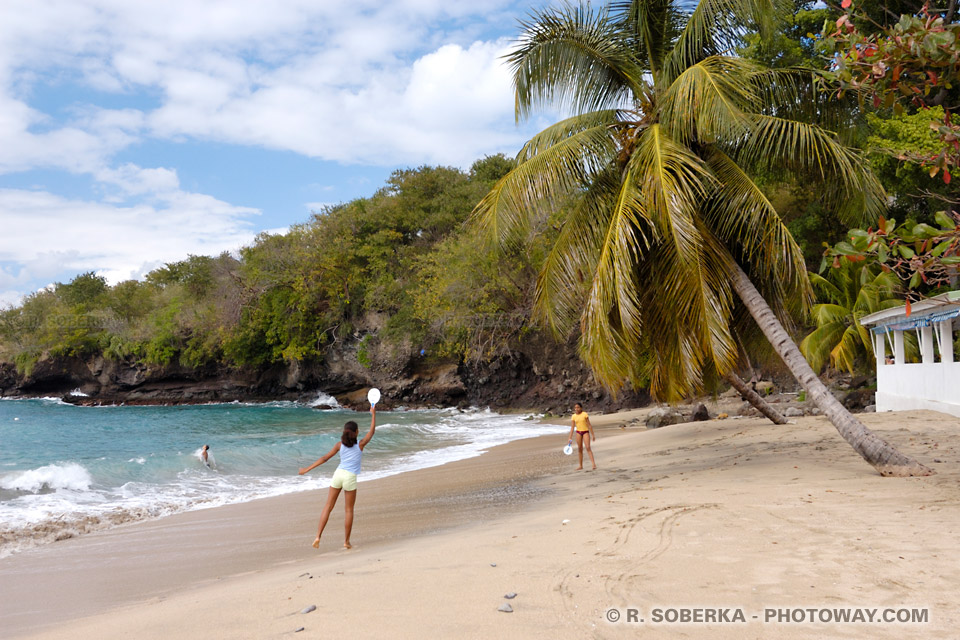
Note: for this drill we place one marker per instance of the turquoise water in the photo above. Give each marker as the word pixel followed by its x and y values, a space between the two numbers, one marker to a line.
pixel 65 470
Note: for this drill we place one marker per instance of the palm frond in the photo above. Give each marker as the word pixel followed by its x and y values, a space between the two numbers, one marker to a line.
pixel 817 346
pixel 742 216
pixel 572 58
pixel 611 323
pixel 798 93
pixel 562 131
pixel 826 290
pixel 673 180
pixel 778 143
pixel 653 26
pixel 571 265
pixel 708 101
pixel 541 182
pixel 717 27
pixel 844 354
pixel 685 317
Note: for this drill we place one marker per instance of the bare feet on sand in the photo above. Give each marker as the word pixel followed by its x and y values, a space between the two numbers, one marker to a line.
pixel 316 543
pixel 347 545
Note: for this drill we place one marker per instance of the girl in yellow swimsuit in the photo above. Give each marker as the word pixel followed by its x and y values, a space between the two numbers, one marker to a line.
pixel 584 430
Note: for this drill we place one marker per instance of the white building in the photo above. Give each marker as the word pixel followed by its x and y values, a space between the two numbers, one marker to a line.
pixel 932 383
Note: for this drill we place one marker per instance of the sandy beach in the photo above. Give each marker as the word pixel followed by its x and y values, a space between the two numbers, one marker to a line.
pixel 736 514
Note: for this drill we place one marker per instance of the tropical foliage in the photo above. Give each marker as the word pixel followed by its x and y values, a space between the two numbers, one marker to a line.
pixel 659 165
pixel 398 264
pixel 848 293
pixel 656 168
pixel 921 257
pixel 915 62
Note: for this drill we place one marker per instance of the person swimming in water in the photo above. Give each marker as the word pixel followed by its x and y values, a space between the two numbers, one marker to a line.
pixel 205 456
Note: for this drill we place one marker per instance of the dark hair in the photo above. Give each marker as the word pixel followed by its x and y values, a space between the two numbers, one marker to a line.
pixel 350 433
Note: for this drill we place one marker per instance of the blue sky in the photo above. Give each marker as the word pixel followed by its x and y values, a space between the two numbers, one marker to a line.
pixel 136 132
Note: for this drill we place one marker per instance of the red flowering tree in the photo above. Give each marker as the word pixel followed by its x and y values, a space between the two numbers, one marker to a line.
pixel 916 62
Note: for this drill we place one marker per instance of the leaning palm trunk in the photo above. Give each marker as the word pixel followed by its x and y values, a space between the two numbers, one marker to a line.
pixel 754 398
pixel 879 453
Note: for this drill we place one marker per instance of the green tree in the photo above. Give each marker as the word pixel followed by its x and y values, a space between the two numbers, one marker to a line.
pixel 895 142
pixel 84 290
pixel 848 292
pixel 666 219
pixel 791 44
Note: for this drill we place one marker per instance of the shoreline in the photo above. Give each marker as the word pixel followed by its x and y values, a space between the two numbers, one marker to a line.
pixel 389 507
pixel 112 511
pixel 733 513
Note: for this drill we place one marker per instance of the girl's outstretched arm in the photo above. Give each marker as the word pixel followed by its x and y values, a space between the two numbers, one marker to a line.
pixel 373 427
pixel 320 461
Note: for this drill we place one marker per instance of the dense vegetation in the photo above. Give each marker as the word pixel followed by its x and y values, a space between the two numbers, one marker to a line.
pixel 400 271
pixel 399 267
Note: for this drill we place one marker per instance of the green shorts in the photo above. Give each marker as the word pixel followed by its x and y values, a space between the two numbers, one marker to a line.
pixel 343 479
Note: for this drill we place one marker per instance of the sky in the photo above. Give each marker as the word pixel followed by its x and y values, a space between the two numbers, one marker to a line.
pixel 137 132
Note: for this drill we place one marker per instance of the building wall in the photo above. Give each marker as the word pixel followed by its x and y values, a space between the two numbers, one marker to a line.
pixel 933 386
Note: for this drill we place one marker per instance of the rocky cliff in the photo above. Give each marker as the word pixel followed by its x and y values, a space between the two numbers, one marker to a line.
pixel 539 375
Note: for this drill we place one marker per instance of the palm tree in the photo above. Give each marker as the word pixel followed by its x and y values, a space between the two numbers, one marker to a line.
pixel 652 179
pixel 850 291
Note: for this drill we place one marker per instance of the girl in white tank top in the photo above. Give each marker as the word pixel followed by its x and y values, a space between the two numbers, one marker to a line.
pixel 345 477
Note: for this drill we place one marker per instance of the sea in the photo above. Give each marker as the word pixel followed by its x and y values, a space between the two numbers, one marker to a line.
pixel 66 470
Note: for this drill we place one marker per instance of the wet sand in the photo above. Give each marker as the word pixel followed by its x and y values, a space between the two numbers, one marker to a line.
pixel 737 513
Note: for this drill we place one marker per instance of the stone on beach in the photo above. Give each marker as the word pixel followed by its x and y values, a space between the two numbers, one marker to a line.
pixel 506 608
pixel 510 596
pixel 700 413
pixel 312 607
pixel 663 416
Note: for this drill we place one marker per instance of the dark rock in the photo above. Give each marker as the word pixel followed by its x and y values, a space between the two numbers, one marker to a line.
pixel 662 417
pixel 748 410
pixel 857 400
pixel 308 609
pixel 858 381
pixel 700 413
pixel 510 596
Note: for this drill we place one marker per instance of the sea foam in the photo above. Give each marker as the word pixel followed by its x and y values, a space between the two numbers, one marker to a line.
pixel 51 477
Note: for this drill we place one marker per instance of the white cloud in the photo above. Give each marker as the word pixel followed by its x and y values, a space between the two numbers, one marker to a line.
pixel 47 235
pixel 349 82
pixel 352 81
